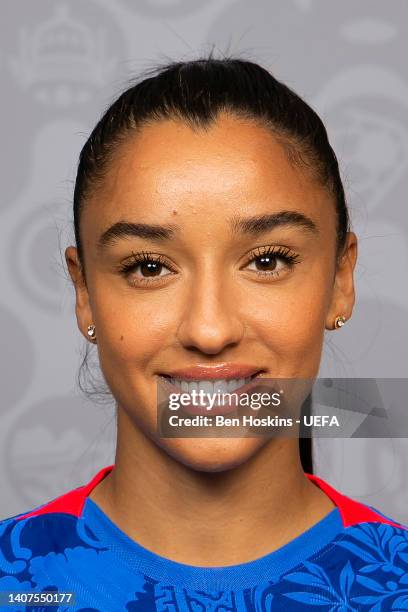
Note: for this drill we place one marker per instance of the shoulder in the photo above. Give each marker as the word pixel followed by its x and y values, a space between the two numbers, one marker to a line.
pixel 46 543
pixel 39 531
pixel 47 538
pixel 377 535
pixel 48 528
pixel 364 567
pixel 353 512
pixel 383 518
pixel 376 543
pixel 69 504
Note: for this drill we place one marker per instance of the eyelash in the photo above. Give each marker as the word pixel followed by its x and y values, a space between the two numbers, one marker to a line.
pixel 280 252
pixel 284 253
pixel 139 258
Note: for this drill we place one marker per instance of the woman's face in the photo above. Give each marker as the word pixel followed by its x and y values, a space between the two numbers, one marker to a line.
pixel 206 294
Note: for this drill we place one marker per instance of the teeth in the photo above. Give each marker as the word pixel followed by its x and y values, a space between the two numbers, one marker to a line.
pixel 221 386
pixel 235 383
pixel 207 386
pixel 211 386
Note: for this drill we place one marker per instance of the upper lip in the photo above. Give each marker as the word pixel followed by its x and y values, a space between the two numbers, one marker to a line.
pixel 223 371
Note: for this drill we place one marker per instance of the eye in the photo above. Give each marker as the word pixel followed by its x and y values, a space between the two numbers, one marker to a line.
pixel 150 268
pixel 272 262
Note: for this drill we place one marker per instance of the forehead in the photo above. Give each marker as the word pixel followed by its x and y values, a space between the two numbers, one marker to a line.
pixel 168 162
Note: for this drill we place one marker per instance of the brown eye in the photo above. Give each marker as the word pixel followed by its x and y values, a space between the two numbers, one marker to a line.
pixel 265 262
pixel 151 268
pixel 148 269
pixel 268 264
pixel 271 262
pixel 143 267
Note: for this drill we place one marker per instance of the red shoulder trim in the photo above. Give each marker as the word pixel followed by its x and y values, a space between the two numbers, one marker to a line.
pixel 71 502
pixel 351 511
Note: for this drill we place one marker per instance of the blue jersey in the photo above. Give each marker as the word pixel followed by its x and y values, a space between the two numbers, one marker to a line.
pixel 355 558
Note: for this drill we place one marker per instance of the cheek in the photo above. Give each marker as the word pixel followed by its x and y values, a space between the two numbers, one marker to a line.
pixel 291 323
pixel 134 331
pixel 135 327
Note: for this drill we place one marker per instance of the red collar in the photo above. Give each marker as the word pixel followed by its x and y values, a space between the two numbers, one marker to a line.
pixel 352 512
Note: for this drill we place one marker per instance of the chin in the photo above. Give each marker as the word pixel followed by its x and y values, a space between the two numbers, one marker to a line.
pixel 212 454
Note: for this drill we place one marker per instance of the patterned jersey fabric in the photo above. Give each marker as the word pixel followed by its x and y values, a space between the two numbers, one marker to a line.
pixel 355 558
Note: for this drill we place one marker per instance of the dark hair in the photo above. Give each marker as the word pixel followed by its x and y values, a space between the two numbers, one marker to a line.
pixel 195 92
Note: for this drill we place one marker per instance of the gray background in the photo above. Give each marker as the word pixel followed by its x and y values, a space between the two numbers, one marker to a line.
pixel 61 64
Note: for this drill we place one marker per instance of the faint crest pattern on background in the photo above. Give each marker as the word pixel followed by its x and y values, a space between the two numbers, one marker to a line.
pixel 62 60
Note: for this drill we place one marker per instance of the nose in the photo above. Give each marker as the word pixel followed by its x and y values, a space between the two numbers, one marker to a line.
pixel 211 320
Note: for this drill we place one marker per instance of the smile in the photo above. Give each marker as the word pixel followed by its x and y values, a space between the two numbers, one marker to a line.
pixel 221 385
pixel 221 395
pixel 208 386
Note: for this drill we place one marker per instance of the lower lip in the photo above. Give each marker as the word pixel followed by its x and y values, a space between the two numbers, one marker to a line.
pixel 227 408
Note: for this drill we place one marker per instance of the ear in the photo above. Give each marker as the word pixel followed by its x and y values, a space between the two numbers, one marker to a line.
pixel 82 306
pixel 343 296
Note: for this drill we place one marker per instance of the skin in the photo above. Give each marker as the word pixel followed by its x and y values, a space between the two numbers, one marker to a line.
pixel 193 500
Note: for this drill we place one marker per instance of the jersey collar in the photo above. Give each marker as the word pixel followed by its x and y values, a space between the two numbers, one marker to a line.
pixel 352 512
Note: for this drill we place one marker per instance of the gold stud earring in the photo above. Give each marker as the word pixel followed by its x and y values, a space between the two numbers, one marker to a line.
pixel 91 332
pixel 339 321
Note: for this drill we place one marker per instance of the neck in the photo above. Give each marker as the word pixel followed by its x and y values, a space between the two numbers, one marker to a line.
pixel 209 518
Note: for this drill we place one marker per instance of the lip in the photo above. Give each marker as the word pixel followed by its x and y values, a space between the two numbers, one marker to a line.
pixel 225 371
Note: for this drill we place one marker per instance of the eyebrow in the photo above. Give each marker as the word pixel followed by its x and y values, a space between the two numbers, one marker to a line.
pixel 263 223
pixel 245 225
pixel 127 229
